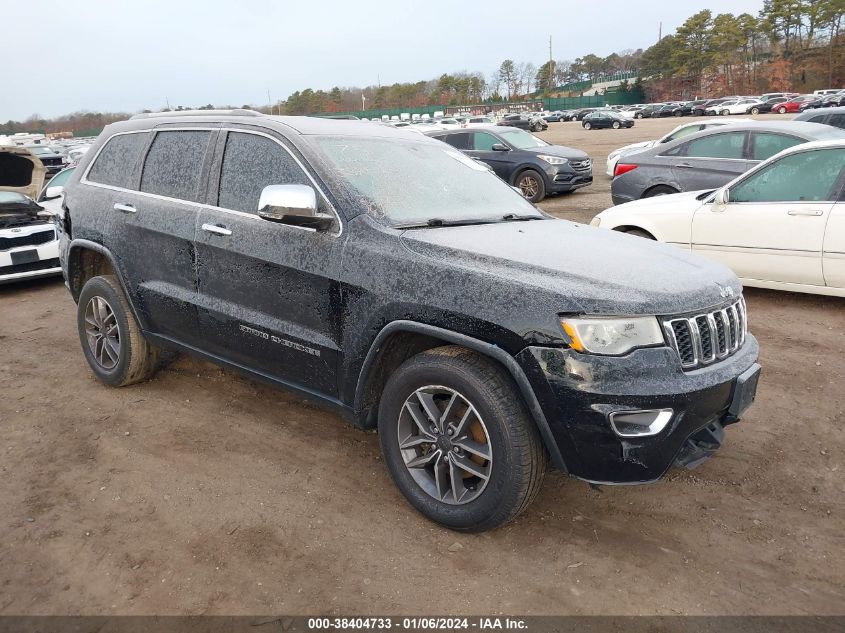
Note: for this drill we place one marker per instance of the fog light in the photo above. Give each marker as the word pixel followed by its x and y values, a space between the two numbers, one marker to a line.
pixel 640 423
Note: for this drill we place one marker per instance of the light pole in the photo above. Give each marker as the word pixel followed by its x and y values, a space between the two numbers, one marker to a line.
pixel 363 100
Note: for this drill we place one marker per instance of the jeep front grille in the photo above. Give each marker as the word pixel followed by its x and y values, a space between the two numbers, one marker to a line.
pixel 703 339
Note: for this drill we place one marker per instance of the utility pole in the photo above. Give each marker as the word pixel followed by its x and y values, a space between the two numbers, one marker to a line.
pixel 363 101
pixel 660 32
pixel 270 101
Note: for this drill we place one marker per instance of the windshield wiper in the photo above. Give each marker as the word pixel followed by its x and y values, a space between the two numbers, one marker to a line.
pixel 437 222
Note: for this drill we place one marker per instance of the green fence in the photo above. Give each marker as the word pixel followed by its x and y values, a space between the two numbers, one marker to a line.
pixel 564 103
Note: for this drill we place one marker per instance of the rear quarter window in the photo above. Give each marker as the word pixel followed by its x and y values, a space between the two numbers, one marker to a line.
pixel 116 162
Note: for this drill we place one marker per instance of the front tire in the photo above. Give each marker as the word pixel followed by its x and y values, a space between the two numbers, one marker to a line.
pixel 725 112
pixel 616 125
pixel 755 110
pixel 781 110
pixel 111 340
pixel 532 185
pixel 491 465
pixel 587 125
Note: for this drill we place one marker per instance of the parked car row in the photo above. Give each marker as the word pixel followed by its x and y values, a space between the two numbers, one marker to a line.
pixel 777 224
pixel 709 158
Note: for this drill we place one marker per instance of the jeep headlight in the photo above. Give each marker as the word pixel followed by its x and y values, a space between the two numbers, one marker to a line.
pixel 612 336
pixel 553 160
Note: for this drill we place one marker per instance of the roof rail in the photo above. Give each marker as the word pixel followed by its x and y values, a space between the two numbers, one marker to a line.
pixel 232 112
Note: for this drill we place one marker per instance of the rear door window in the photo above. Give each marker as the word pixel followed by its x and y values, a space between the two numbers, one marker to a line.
pixel 724 145
pixel 250 163
pixel 174 164
pixel 766 144
pixel 116 163
pixel 459 141
pixel 837 120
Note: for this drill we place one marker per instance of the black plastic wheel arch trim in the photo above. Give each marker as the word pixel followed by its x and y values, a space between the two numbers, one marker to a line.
pixel 482 347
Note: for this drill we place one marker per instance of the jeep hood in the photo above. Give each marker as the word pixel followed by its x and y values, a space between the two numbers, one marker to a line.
pixel 21 171
pixel 594 271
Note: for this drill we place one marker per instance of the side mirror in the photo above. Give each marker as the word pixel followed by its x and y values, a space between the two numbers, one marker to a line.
pixel 723 196
pixel 292 204
pixel 53 192
pixel 500 147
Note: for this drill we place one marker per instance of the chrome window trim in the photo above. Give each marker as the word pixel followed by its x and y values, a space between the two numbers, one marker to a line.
pixel 84 180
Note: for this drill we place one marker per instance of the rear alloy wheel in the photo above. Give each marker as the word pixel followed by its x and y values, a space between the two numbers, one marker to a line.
pixel 112 342
pixel 755 110
pixel 678 113
pixel 781 110
pixel 531 185
pixel 725 112
pixel 587 125
pixel 616 125
pixel 638 115
pixel 659 190
pixel 458 441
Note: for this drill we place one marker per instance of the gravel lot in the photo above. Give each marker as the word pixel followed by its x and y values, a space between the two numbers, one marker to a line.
pixel 201 492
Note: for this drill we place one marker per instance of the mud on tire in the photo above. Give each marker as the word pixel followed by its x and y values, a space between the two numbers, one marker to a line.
pixel 111 340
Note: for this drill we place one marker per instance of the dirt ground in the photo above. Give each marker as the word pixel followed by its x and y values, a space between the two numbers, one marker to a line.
pixel 201 492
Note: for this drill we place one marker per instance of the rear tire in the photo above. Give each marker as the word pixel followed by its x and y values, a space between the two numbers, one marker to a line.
pixel 616 125
pixel 111 340
pixel 781 110
pixel 660 190
pixel 755 110
pixel 638 115
pixel 725 112
pixel 587 125
pixel 424 399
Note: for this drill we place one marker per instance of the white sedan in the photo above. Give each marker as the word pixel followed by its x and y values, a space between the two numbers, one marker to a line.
pixel 779 226
pixel 734 106
pixel 678 132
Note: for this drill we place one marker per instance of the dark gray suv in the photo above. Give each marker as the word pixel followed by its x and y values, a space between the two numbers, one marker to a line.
pixel 402 285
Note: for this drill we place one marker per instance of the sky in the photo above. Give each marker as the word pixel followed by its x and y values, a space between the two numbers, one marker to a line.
pixel 126 55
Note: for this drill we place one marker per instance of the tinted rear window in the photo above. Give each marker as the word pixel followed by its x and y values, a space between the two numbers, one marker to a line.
pixel 115 166
pixel 174 163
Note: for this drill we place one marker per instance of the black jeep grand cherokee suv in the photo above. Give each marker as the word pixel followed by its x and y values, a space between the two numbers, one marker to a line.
pixel 402 284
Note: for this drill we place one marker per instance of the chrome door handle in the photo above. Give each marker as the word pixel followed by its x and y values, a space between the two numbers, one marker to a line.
pixel 125 208
pixel 217 230
pixel 684 166
pixel 811 212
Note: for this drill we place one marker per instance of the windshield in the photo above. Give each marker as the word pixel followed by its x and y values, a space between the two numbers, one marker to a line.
pixel 410 183
pixel 520 139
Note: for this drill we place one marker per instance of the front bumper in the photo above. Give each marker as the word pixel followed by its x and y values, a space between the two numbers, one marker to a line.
pixel 29 261
pixel 563 178
pixel 579 392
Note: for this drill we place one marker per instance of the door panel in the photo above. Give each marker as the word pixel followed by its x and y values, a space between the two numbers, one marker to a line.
pixel 268 296
pixel 268 299
pixel 834 248
pixel 772 242
pixel 153 235
pixel 773 228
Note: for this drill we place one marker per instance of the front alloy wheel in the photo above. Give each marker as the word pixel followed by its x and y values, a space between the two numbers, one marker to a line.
pixel 445 445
